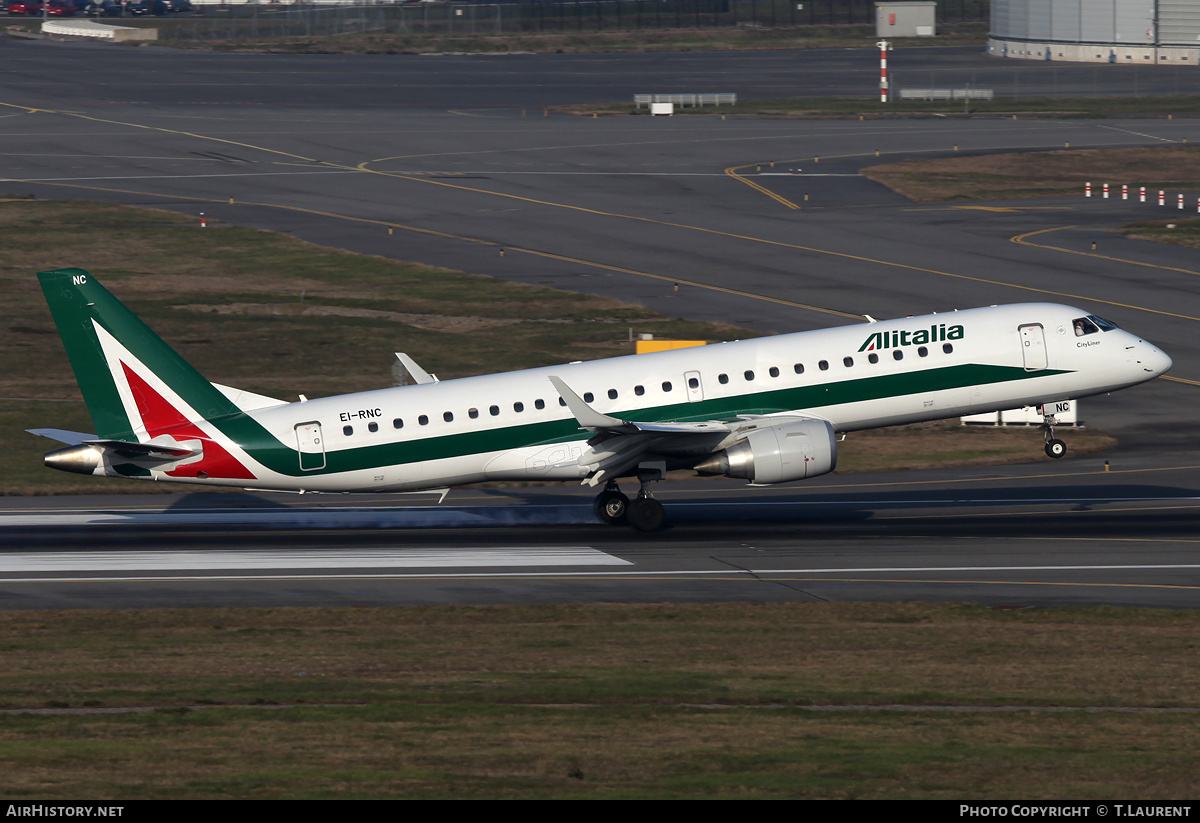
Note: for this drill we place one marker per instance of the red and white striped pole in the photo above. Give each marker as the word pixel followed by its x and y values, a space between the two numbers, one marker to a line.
pixel 1181 201
pixel 1087 189
pixel 1124 191
pixel 883 78
pixel 1162 198
pixel 1105 191
pixel 1143 194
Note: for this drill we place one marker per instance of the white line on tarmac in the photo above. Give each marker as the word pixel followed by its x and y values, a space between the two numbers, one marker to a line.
pixel 102 561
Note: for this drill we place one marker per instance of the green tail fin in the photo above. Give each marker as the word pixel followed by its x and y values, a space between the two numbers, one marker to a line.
pixel 115 355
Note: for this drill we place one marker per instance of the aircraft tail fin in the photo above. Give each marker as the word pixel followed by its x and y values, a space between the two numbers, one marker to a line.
pixel 134 384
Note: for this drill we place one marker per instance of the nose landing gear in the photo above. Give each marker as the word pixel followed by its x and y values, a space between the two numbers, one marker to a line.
pixel 1054 447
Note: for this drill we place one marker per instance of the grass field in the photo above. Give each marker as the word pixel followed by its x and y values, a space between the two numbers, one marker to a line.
pixel 671 701
pixel 1039 174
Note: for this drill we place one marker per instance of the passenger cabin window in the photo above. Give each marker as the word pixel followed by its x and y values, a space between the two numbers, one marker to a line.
pixel 947 347
pixel 693 382
pixel 347 430
pixel 823 365
pixel 721 378
pixel 898 354
pixel 612 394
pixel 773 371
pixel 847 361
pixel 518 406
pixel 372 427
pixel 472 413
pixel 923 351
pixel 749 375
pixel 539 404
pixel 397 423
pixel 666 386
pixel 494 411
pixel 872 358
pixel 423 420
pixel 798 368
pixel 448 417
pixel 1084 325
pixel 588 397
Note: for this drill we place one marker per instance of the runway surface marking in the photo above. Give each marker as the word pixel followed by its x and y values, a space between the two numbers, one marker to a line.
pixel 732 171
pixel 82 516
pixel 116 504
pixel 364 166
pixel 25 562
pixel 1020 240
pixel 1179 380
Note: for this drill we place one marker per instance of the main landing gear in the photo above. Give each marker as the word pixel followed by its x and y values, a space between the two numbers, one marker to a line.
pixel 644 513
pixel 1054 447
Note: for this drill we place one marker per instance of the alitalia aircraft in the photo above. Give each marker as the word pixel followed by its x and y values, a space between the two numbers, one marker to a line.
pixel 767 410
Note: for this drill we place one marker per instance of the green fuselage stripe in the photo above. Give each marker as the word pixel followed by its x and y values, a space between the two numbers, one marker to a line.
pixel 270 452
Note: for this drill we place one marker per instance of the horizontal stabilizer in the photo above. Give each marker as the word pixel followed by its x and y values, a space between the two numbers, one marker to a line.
pixel 129 449
pixel 63 436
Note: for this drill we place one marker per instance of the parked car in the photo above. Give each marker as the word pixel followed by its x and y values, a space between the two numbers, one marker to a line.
pixel 61 8
pixel 24 7
pixel 142 7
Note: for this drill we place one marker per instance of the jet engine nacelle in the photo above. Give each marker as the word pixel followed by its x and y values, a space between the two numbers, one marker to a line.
pixel 790 451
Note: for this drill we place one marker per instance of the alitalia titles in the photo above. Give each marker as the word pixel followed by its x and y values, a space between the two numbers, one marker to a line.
pixel 906 337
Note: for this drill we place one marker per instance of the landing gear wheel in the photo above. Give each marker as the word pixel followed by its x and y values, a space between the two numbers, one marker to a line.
pixel 1055 448
pixel 646 514
pixel 610 506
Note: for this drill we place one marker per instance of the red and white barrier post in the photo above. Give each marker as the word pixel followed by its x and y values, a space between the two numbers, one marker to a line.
pixel 1181 201
pixel 203 221
pixel 1105 191
pixel 1124 192
pixel 1143 194
pixel 883 78
pixel 1162 198
pixel 1087 189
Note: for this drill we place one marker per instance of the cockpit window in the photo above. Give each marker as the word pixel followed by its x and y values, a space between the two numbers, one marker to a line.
pixel 1105 325
pixel 1084 325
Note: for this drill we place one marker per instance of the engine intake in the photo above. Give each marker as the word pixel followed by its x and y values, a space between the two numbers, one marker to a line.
pixel 778 454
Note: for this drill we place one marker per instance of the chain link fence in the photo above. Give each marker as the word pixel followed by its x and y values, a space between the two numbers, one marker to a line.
pixel 271 20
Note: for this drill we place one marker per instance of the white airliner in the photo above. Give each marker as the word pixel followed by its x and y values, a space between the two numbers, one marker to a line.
pixel 767 410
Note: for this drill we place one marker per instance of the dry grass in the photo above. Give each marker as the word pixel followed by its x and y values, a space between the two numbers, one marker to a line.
pixel 948 443
pixel 599 701
pixel 1039 174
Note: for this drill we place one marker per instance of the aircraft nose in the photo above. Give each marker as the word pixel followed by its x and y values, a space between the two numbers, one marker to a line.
pixel 1155 360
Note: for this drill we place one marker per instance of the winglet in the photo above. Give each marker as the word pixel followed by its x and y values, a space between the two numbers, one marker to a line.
pixel 588 417
pixel 418 374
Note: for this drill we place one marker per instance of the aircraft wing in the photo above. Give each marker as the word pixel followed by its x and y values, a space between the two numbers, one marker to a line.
pixel 593 420
pixel 619 445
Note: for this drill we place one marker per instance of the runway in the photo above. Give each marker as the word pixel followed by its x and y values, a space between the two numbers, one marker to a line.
pixel 1013 537
pixel 449 165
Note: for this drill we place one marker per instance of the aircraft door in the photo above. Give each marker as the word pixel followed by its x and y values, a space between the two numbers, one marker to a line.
pixel 311 446
pixel 695 388
pixel 1033 346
